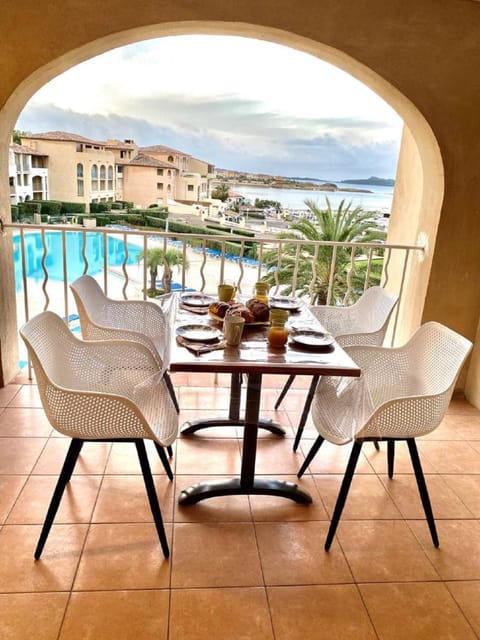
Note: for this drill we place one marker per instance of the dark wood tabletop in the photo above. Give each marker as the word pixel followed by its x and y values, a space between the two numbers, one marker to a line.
pixel 254 355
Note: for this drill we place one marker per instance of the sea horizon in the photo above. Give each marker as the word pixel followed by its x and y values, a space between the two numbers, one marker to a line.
pixel 377 198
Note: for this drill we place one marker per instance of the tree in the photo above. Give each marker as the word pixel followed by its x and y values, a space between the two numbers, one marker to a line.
pixel 221 192
pixel 346 224
pixel 16 135
pixel 157 257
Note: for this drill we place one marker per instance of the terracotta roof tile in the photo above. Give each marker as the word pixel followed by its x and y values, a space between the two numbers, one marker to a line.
pixel 60 135
pixel 143 160
pixel 21 148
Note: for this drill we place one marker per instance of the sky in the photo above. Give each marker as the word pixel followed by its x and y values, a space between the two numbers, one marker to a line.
pixel 238 103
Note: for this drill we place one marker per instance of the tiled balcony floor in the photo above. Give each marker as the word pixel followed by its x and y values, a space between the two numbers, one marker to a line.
pixel 241 568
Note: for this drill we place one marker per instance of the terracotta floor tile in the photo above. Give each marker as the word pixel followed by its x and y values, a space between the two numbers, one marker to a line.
pixel 332 458
pixel 24 422
pixel 19 572
pixel 449 457
pixel 458 557
pixel 19 455
pixel 415 611
pixel 114 553
pixel 123 459
pixel 27 396
pixel 215 555
pixel 201 456
pixel 10 488
pixel 292 553
pixel 220 614
pixel 275 509
pixel 111 615
pixel 8 393
pixel 461 426
pixel 403 463
pixel 194 398
pixel 219 509
pixel 383 551
pixel 92 458
pixel 467 596
pixel 467 488
pixel 445 503
pixel 319 613
pixel 31 615
pixel 275 457
pixel 459 405
pixel 76 506
pixel 124 499
pixel 367 498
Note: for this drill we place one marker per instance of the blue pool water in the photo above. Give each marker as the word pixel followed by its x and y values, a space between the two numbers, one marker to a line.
pixel 75 262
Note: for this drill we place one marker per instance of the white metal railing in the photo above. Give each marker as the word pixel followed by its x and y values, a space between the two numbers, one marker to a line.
pixel 49 257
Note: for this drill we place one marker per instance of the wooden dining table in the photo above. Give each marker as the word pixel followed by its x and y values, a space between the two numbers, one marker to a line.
pixel 251 360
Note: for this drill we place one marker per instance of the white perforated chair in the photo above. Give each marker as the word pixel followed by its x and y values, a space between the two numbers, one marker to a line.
pixel 402 394
pixel 362 323
pixel 102 318
pixel 100 391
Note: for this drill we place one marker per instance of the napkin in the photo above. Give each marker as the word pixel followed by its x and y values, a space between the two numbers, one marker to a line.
pixel 199 347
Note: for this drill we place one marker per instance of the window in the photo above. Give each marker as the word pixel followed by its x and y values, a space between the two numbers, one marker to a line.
pixel 160 186
pixel 103 178
pixel 170 158
pixel 159 172
pixel 189 187
pixel 169 173
pixel 79 147
pixel 37 188
pixel 110 178
pixel 169 187
pixel 119 169
pixel 80 190
pixel 94 177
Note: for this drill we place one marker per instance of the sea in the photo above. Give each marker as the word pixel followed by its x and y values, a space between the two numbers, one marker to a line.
pixel 377 199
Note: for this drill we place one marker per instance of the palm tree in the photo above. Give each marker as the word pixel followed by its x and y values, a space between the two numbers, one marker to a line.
pixel 346 224
pixel 157 257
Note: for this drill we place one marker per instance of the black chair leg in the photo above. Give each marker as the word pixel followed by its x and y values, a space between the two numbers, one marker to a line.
pixel 170 452
pixel 422 488
pixel 310 456
pixel 163 458
pixel 376 445
pixel 306 411
pixel 390 457
pixel 283 392
pixel 65 475
pixel 171 390
pixel 152 495
pixel 342 496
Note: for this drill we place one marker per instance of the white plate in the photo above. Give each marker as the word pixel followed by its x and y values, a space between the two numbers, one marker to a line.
pixel 312 338
pixel 196 299
pixel 284 302
pixel 198 332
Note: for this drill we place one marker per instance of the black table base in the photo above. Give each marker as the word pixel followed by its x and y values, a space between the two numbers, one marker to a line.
pixel 233 486
pixel 233 419
pixel 247 483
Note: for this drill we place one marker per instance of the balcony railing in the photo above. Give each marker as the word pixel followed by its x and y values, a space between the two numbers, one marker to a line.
pixel 49 257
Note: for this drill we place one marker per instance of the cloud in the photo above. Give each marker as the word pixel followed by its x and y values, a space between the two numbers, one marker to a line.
pixel 229 137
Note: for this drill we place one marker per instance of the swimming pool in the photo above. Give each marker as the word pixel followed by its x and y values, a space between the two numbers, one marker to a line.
pixel 75 262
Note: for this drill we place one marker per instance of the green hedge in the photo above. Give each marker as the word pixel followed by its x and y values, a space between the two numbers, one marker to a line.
pixel 100 207
pixel 73 207
pixel 49 207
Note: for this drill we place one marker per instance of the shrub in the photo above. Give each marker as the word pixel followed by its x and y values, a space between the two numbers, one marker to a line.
pixel 100 207
pixel 14 212
pixel 49 207
pixel 73 207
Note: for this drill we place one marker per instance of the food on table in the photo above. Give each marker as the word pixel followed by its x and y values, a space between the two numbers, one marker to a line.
pixel 259 309
pixel 219 308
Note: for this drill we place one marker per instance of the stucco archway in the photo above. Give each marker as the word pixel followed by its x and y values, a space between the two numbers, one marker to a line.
pixel 420 156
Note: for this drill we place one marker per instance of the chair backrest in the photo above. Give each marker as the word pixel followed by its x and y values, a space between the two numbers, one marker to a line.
pixel 403 392
pixel 102 318
pixel 96 390
pixel 416 383
pixel 363 323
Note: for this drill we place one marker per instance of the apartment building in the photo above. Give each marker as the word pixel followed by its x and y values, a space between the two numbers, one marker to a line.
pixel 27 174
pixel 80 169
pixel 85 171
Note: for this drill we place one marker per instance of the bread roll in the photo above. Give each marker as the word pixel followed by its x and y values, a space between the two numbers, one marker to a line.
pixel 259 309
pixel 242 311
pixel 219 308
